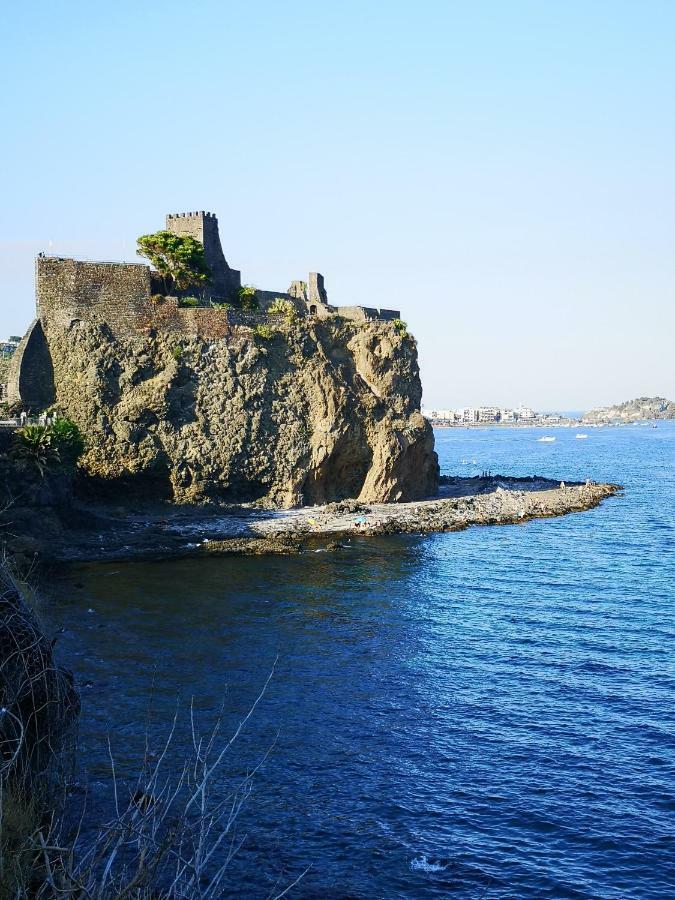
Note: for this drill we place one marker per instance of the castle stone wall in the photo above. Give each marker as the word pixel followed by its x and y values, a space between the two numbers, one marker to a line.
pixel 119 295
pixel 366 313
pixel 204 322
pixel 117 292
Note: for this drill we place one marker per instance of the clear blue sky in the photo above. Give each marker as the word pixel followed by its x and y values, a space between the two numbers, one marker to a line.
pixel 502 172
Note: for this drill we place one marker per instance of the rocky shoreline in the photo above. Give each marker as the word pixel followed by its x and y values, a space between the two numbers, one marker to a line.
pixel 165 531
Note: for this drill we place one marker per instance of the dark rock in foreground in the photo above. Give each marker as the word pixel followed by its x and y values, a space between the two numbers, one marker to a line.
pixel 38 699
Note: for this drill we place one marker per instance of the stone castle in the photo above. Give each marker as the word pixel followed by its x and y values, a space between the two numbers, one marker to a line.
pixel 125 297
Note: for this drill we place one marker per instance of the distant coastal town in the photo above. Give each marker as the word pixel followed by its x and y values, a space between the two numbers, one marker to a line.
pixel 495 415
pixel 631 412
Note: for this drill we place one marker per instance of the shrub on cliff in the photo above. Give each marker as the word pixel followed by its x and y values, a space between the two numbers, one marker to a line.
pixel 285 308
pixel 179 260
pixel 68 440
pixel 400 326
pixel 248 299
pixel 40 447
pixel 34 448
pixel 264 332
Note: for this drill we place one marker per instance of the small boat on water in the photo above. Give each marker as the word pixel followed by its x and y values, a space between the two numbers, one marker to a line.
pixel 545 440
pixel 581 437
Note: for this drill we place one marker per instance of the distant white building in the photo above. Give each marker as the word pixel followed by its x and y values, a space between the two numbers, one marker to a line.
pixel 524 412
pixel 440 415
pixel 488 414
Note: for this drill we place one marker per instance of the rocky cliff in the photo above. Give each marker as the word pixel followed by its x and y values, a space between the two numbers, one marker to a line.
pixel 320 411
pixel 639 410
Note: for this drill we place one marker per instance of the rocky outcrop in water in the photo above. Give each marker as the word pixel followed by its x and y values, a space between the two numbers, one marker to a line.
pixel 640 410
pixel 166 530
pixel 317 412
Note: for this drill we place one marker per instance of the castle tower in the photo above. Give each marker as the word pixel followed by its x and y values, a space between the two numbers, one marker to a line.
pixel 203 227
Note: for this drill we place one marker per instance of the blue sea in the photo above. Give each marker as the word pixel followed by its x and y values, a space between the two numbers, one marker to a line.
pixel 483 714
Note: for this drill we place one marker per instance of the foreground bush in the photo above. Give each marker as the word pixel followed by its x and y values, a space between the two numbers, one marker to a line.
pixel 34 448
pixel 41 447
pixel 38 709
pixel 170 833
pixel 67 439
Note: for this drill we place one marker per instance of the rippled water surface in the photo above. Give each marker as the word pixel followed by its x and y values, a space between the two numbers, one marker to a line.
pixel 480 714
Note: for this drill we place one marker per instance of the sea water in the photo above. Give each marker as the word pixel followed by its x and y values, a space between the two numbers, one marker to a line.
pixel 488 713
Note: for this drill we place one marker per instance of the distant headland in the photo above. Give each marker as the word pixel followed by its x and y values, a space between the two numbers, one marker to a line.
pixel 642 409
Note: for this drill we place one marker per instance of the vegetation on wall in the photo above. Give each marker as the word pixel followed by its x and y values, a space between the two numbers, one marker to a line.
pixel 179 259
pixel 248 299
pixel 264 332
pixel 285 308
pixel 400 326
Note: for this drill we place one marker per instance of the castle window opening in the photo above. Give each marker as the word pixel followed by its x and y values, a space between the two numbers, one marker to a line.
pixel 312 310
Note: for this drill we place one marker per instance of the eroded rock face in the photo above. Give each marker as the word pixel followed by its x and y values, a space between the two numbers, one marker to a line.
pixel 320 412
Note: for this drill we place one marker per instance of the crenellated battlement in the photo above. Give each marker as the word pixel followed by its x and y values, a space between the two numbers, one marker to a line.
pixel 187 215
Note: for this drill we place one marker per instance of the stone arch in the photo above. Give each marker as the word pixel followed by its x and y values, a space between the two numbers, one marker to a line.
pixel 31 373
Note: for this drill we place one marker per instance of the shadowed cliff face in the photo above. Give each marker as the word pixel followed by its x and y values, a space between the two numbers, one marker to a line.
pixel 318 413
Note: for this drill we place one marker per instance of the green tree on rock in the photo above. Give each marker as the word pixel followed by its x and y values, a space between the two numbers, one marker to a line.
pixel 178 259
